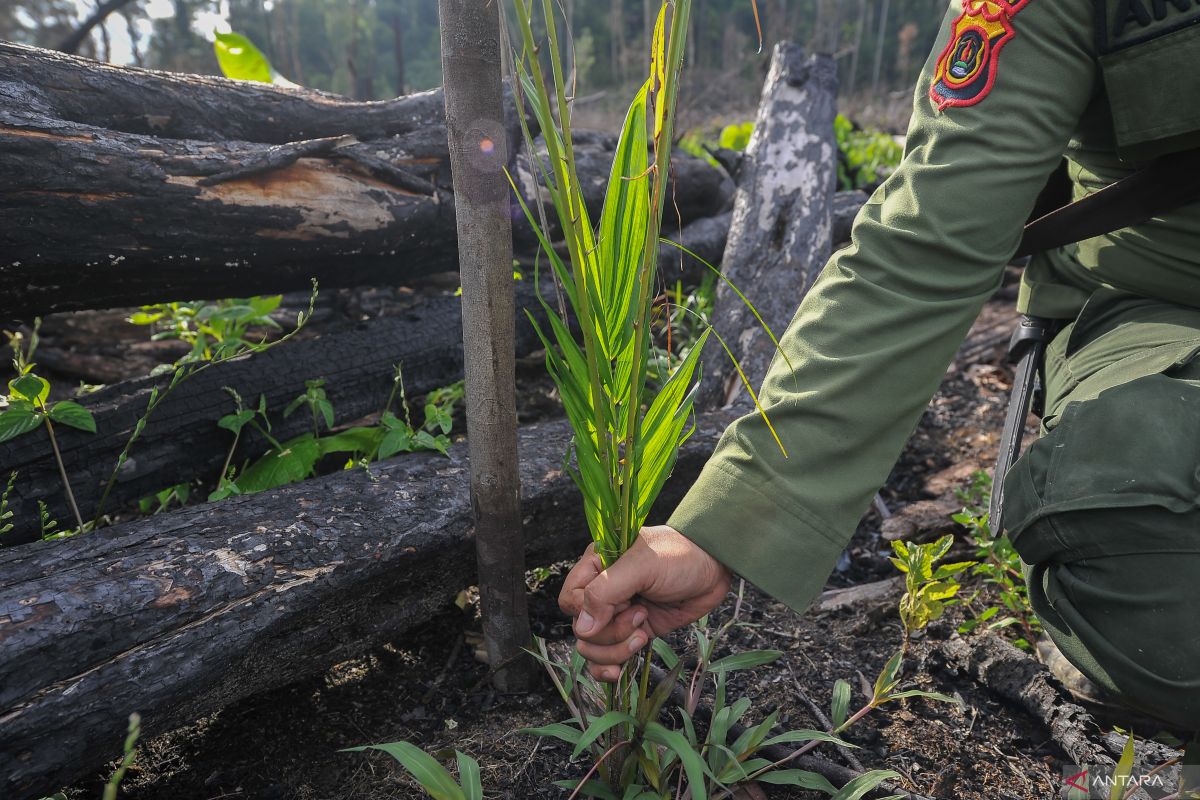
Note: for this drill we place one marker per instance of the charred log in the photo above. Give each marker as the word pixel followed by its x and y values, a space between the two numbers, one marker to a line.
pixel 182 441
pixel 184 613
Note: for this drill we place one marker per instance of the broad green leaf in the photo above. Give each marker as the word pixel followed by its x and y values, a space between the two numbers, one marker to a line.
pixel 556 730
pixel 70 413
pixel 864 783
pixel 600 726
pixel 658 70
pixel 433 777
pixel 294 463
pixel 840 708
pixel 326 410
pixel 395 441
pixel 693 765
pixel 723 720
pixel 946 570
pixel 30 387
pixel 469 777
pixel 799 778
pixel 18 421
pixel 744 660
pixel 235 422
pixel 240 59
pixel 264 305
pixel 351 440
pixel 424 440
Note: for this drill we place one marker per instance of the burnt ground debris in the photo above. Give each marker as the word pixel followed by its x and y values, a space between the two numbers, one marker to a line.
pixel 430 688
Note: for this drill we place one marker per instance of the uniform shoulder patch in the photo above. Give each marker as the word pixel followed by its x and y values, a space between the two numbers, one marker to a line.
pixel 966 69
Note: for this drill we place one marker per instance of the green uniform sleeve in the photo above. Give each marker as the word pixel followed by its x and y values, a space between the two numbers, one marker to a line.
pixel 873 338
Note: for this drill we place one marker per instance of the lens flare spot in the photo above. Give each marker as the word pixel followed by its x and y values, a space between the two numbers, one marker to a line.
pixel 487 146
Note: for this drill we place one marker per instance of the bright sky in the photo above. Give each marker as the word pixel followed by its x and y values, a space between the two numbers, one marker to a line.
pixel 118 33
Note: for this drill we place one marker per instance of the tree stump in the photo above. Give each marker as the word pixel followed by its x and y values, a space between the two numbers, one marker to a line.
pixel 781 232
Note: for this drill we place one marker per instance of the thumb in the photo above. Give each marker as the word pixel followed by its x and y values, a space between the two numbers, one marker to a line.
pixel 614 588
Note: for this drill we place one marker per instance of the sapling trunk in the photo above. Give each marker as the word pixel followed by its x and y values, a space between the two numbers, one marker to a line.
pixel 471 69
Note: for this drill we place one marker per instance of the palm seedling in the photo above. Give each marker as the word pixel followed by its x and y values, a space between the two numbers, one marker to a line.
pixel 626 438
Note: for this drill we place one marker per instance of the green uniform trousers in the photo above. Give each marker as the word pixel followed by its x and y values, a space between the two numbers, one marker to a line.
pixel 1104 509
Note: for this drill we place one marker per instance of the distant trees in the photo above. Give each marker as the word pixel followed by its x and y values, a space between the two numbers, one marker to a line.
pixel 372 49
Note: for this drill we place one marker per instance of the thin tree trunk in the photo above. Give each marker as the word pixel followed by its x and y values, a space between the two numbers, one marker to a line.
pixel 858 41
pixel 131 29
pixel 398 48
pixel 614 41
pixel 291 27
pixel 352 55
pixel 883 17
pixel 471 70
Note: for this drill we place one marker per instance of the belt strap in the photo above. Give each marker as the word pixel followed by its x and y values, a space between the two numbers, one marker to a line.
pixel 1026 348
pixel 1164 185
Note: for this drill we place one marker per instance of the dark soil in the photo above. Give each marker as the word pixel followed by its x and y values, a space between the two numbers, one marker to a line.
pixel 430 688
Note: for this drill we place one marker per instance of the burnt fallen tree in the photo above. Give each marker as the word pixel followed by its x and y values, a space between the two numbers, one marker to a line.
pixel 184 613
pixel 182 441
pixel 124 186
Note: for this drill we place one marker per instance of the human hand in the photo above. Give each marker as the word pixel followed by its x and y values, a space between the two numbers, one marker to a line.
pixel 662 582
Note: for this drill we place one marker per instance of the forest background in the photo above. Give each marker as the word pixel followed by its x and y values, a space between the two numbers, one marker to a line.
pixel 376 49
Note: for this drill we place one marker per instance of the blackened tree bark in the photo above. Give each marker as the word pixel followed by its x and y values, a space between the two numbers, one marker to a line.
pixel 780 236
pixel 471 67
pixel 182 614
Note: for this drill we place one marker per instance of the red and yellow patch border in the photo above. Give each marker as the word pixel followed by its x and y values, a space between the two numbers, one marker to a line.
pixel 979 33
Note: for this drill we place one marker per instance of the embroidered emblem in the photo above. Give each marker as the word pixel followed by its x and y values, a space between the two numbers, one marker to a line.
pixel 966 69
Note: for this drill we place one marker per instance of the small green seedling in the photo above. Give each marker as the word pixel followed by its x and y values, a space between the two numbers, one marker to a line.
pixel 928 588
pixel 999 565
pixel 213 330
pixel 435 779
pixel 297 458
pixel 28 407
pixel 318 405
pixel 5 513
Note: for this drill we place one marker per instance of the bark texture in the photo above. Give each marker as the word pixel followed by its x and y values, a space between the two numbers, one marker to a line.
pixel 781 233
pixel 1018 678
pixel 125 186
pixel 182 441
pixel 181 614
pixel 471 70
